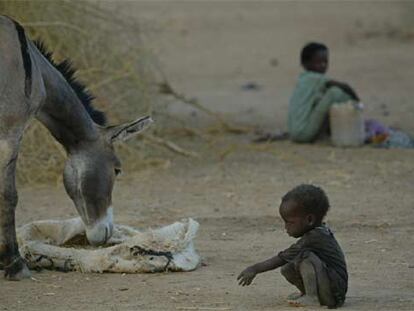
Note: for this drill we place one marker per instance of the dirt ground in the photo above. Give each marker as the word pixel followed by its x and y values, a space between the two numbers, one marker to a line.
pixel 210 50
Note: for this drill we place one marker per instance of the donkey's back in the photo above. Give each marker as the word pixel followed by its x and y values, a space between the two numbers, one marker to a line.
pixel 21 85
pixel 12 73
pixel 10 59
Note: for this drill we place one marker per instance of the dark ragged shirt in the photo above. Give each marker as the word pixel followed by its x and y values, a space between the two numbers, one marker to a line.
pixel 323 244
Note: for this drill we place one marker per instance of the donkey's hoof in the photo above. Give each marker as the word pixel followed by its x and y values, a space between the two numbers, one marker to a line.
pixel 17 271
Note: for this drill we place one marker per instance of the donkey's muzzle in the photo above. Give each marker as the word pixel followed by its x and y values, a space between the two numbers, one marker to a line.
pixel 99 234
pixel 101 231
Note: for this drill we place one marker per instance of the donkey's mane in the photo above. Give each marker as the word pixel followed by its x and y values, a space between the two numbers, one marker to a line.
pixel 67 70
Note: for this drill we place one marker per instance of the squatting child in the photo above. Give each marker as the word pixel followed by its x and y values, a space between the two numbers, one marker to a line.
pixel 314 94
pixel 315 264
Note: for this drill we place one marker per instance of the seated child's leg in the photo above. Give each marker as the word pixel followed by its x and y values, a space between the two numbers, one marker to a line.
pixel 316 280
pixel 292 275
pixel 333 95
pixel 321 110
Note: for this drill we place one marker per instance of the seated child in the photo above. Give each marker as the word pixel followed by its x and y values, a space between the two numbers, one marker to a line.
pixel 315 264
pixel 314 94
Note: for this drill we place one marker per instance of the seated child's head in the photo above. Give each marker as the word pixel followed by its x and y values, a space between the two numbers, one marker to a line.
pixel 314 57
pixel 303 208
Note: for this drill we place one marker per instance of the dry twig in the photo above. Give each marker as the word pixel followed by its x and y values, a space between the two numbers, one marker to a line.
pixel 204 308
pixel 171 146
pixel 165 88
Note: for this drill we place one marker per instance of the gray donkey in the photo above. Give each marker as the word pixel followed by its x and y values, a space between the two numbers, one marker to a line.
pixel 33 85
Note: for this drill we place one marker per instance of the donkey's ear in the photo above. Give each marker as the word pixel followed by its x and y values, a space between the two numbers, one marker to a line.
pixel 125 131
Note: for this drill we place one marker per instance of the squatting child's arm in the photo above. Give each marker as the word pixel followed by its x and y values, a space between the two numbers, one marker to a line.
pixel 345 87
pixel 247 275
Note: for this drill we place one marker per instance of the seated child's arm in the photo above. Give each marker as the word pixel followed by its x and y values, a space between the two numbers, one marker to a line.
pixel 345 87
pixel 247 275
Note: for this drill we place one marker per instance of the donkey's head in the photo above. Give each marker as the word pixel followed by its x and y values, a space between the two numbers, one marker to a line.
pixel 89 176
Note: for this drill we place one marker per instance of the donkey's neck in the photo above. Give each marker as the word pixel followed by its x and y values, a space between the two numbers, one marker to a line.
pixel 62 112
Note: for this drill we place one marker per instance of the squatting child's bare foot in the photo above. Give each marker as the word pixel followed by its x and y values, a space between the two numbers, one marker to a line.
pixel 294 296
pixel 304 301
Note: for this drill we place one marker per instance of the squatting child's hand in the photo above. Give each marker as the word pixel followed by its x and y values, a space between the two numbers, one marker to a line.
pixel 246 277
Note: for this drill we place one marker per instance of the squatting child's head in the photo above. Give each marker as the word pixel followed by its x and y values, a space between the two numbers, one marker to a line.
pixel 314 57
pixel 303 208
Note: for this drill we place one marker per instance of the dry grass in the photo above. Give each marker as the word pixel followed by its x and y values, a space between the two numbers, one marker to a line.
pixel 111 61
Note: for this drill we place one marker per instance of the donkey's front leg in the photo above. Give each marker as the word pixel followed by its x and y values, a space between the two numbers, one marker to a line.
pixel 14 266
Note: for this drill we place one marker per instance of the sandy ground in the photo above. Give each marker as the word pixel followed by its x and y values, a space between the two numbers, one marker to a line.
pixel 209 50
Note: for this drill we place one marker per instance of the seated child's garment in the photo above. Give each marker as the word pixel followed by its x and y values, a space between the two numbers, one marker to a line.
pixel 309 105
pixel 321 242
